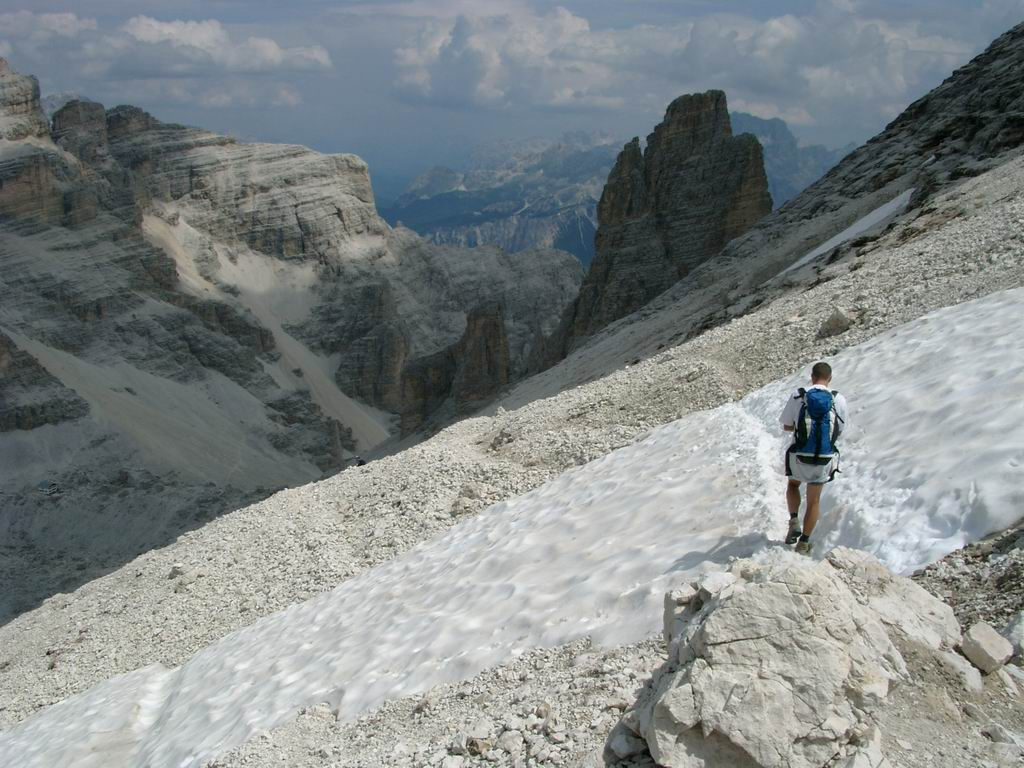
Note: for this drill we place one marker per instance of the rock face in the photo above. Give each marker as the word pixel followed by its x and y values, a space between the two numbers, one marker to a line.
pixel 80 127
pixel 670 208
pixel 781 664
pixel 191 322
pixel 30 396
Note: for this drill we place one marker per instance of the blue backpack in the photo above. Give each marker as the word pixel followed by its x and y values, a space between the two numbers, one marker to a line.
pixel 817 428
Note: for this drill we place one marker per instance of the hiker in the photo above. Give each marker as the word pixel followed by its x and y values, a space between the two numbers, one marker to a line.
pixel 816 416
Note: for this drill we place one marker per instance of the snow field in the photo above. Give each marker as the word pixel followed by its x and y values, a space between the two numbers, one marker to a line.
pixel 932 460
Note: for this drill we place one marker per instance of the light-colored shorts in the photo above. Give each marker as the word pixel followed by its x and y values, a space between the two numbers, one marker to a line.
pixel 812 474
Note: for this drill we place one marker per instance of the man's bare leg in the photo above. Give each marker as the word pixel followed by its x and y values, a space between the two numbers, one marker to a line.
pixel 813 504
pixel 793 497
pixel 793 502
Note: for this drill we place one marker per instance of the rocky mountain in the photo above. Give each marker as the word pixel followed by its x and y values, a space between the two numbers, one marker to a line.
pixel 517 196
pixel 188 322
pixel 790 168
pixel 52 102
pixel 670 207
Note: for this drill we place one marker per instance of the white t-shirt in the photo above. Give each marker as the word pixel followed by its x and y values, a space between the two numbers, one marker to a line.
pixel 792 410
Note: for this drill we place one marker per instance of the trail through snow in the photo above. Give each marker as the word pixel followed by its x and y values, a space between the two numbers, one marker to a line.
pixel 933 459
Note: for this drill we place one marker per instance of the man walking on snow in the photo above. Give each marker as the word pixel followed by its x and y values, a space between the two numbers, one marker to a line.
pixel 816 416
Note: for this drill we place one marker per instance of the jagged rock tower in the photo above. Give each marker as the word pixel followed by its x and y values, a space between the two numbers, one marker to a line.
pixel 669 208
pixel 20 116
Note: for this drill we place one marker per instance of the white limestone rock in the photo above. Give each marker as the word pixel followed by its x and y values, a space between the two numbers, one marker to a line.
pixel 778 672
pixel 986 648
pixel 1000 734
pixel 710 584
pixel 868 754
pixel 898 602
pixel 676 614
pixel 510 742
pixel 965 672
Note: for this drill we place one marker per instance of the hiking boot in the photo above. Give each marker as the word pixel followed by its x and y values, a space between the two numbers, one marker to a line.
pixel 803 547
pixel 794 531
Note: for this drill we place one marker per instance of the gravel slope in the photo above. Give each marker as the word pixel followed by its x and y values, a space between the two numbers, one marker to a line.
pixel 168 603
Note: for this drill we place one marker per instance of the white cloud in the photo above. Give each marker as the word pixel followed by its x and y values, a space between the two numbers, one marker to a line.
pixel 155 48
pixel 807 69
pixel 434 9
pixel 208 43
pixel 148 60
pixel 522 58
pixel 793 116
pixel 31 27
pixel 243 94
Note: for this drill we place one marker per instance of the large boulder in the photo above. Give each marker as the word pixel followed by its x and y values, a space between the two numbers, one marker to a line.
pixel 986 648
pixel 782 663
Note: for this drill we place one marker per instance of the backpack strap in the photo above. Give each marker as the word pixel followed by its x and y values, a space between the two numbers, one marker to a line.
pixel 840 421
pixel 801 394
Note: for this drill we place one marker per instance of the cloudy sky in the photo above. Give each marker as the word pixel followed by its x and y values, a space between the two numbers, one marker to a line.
pixel 411 83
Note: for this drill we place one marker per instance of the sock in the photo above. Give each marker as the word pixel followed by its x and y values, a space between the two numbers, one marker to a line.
pixel 804 537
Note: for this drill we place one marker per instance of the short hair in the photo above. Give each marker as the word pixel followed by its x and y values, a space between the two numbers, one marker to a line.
pixel 821 372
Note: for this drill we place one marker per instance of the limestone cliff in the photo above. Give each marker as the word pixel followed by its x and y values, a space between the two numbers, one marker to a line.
pixel 670 207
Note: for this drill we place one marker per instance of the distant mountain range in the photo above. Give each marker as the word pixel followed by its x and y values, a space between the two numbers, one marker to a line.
pixel 520 194
pixel 543 194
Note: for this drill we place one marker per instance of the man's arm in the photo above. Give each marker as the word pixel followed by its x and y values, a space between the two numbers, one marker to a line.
pixel 789 415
